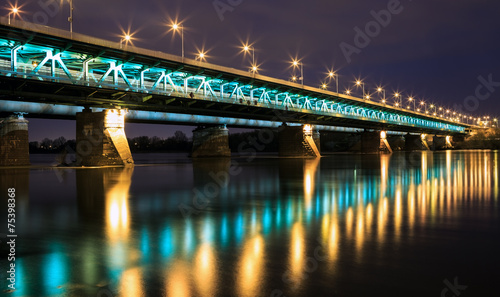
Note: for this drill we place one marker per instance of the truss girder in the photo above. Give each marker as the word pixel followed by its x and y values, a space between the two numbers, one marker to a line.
pixel 53 65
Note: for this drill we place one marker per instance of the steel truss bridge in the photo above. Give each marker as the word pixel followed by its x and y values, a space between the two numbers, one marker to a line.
pixel 49 67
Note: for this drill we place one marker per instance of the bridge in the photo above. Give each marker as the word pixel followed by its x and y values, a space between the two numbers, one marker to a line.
pixel 53 73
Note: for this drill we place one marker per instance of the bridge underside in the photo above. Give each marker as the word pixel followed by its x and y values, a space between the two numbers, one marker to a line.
pixel 18 89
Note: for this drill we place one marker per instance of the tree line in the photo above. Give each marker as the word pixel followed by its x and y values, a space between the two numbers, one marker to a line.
pixel 179 142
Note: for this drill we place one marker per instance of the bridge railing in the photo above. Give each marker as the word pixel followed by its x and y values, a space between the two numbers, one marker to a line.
pixel 48 64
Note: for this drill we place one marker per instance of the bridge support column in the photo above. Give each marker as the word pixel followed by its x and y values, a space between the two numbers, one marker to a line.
pixel 14 144
pixel 101 140
pixel 299 141
pixel 441 142
pixel 211 142
pixel 375 142
pixel 416 142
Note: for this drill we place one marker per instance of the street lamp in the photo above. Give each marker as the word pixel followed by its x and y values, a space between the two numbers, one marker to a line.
pixel 335 76
pixel 360 83
pixel 296 63
pixel 176 27
pixel 201 56
pixel 380 90
pixel 14 11
pixel 348 92
pixel 412 100
pixel 248 48
pixel 396 95
pixel 423 103
pixel 324 86
pixel 127 38
pixel 70 18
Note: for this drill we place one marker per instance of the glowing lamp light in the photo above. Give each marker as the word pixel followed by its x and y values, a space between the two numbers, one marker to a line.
pixel 307 129
pixel 379 89
pixel 114 118
pixel 422 136
pixel 383 135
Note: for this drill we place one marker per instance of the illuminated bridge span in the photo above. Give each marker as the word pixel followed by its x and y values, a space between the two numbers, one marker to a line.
pixel 48 72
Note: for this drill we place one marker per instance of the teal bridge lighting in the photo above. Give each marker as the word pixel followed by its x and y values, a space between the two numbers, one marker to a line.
pixel 48 65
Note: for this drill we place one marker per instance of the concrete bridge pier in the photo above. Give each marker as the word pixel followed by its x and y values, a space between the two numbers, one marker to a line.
pixel 416 142
pixel 211 142
pixel 14 143
pixel 101 140
pixel 375 142
pixel 441 142
pixel 299 141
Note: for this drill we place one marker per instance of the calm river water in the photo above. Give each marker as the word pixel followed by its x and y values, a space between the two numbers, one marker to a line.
pixel 407 224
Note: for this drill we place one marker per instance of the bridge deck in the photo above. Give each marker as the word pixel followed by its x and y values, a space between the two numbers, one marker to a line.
pixel 43 64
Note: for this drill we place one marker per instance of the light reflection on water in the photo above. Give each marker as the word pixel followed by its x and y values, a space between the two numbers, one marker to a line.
pixel 281 226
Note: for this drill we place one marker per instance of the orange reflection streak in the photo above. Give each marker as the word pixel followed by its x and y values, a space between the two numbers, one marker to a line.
pixel 117 213
pixel 369 217
pixel 178 280
pixel 495 177
pixel 384 172
pixel 382 212
pixel 360 232
pixel 310 167
pixel 297 254
pixel 411 206
pixel 397 214
pixel 348 223
pixel 205 271
pixel 131 283
pixel 251 267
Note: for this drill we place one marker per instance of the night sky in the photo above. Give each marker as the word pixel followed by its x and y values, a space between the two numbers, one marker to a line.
pixel 434 50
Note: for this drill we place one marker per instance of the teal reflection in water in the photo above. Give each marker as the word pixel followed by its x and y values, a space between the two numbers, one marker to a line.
pixel 300 227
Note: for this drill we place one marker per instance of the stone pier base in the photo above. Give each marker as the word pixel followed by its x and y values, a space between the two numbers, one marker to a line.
pixel 416 143
pixel 14 143
pixel 211 142
pixel 441 142
pixel 374 142
pixel 295 141
pixel 101 140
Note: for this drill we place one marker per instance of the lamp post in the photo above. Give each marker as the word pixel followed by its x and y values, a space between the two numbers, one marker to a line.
pixel 360 83
pixel 297 63
pixel 380 90
pixel 248 48
pixel 13 11
pixel 125 38
pixel 176 27
pixel 396 95
pixel 335 76
pixel 412 100
pixel 70 18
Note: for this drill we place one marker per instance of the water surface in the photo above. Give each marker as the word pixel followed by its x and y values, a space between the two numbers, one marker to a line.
pixel 343 225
